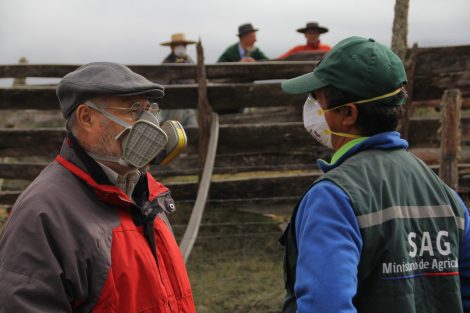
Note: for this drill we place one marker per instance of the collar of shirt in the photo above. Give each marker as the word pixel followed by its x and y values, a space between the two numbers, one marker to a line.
pixel 125 183
pixel 314 46
pixel 243 52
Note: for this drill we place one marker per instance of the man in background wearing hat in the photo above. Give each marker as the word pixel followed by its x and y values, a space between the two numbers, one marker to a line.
pixel 178 43
pixel 312 32
pixel 90 233
pixel 378 231
pixel 244 50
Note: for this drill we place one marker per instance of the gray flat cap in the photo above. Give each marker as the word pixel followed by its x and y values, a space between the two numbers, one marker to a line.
pixel 99 79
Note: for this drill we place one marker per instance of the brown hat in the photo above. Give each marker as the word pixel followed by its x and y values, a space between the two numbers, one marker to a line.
pixel 313 26
pixel 246 29
pixel 178 38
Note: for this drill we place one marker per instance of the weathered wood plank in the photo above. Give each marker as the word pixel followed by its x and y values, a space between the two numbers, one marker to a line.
pixel 232 96
pixel 245 188
pixel 432 86
pixel 26 171
pixel 430 60
pixel 166 72
pixel 227 189
pixel 231 163
pixel 436 60
pixel 226 96
pixel 261 138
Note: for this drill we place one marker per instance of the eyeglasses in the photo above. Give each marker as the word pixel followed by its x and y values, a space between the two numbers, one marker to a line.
pixel 137 109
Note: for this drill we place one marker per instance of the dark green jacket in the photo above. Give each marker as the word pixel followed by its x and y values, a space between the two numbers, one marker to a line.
pixel 232 54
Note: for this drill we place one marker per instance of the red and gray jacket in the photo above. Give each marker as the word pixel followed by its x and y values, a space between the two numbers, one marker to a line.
pixel 76 243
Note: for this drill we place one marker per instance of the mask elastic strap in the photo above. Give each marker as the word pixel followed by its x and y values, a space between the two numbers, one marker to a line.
pixel 327 131
pixel 387 95
pixel 108 115
pixel 104 158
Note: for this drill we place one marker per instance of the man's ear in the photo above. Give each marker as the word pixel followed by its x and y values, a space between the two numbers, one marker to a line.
pixel 350 113
pixel 86 118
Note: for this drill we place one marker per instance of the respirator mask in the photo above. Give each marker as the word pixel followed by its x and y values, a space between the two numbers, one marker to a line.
pixel 145 140
pixel 180 51
pixel 316 125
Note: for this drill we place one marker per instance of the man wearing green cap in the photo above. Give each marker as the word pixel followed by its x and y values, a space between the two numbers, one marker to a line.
pixel 378 231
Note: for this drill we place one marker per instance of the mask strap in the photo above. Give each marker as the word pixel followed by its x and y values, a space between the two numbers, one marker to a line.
pixel 108 115
pixel 328 131
pixel 104 157
pixel 387 95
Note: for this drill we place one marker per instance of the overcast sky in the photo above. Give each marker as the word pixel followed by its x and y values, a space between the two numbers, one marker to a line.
pixel 130 31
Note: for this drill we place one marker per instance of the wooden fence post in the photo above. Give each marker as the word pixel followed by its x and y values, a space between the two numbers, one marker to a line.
pixel 400 47
pixel 450 137
pixel 204 108
pixel 410 66
pixel 208 139
pixel 20 82
pixel 400 28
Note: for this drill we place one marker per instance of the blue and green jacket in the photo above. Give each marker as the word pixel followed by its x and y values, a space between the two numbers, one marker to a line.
pixel 337 246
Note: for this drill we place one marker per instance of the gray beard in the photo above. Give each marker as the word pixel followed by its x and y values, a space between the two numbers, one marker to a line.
pixel 106 141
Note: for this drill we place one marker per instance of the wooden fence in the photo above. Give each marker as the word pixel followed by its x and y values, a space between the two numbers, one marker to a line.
pixel 271 141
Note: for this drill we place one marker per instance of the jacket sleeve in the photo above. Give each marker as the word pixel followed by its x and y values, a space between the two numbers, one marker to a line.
pixel 464 261
pixel 223 58
pixel 329 245
pixel 260 56
pixel 288 53
pixel 33 259
pixel 231 54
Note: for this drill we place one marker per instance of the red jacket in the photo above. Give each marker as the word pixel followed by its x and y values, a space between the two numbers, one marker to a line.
pixel 300 48
pixel 76 243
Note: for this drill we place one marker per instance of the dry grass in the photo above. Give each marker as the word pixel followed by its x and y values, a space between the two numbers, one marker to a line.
pixel 236 263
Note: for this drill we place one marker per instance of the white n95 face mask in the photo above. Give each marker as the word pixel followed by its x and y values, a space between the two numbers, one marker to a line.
pixel 179 51
pixel 140 143
pixel 315 123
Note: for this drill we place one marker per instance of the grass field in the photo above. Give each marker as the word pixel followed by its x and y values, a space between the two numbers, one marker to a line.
pixel 236 263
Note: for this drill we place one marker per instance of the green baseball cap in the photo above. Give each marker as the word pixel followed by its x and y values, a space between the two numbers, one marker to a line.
pixel 357 65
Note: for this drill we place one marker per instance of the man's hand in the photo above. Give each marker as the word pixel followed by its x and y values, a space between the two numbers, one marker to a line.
pixel 247 59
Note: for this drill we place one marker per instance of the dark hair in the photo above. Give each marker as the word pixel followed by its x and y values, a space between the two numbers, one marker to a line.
pixel 372 117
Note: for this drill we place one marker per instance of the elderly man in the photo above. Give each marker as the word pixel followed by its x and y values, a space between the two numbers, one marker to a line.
pixel 90 233
pixel 379 231
pixel 312 32
pixel 244 50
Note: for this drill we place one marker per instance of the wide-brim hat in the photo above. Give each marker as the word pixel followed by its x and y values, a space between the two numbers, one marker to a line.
pixel 178 39
pixel 246 29
pixel 357 65
pixel 313 26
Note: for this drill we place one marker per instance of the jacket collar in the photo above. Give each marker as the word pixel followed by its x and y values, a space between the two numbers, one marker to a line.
pixel 74 158
pixel 381 141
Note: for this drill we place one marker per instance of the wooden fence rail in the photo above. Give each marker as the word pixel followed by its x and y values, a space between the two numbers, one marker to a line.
pixel 262 138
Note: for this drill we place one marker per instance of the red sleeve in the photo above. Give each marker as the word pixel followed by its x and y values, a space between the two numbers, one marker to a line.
pixel 291 51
